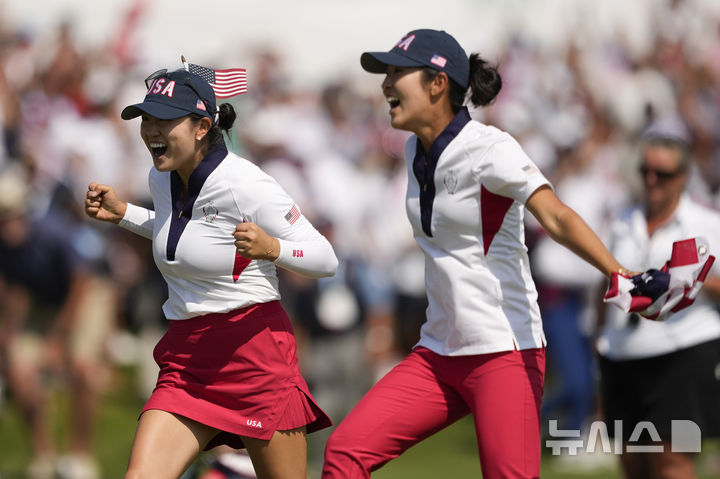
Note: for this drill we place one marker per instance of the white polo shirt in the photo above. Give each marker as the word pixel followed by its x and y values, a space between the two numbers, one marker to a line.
pixel 193 246
pixel 467 216
pixel 622 338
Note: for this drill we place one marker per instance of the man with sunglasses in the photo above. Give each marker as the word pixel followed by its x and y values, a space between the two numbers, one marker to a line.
pixel 662 371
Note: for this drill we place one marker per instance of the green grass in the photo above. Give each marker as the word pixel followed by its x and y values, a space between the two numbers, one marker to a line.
pixel 113 432
pixel 450 453
pixel 453 453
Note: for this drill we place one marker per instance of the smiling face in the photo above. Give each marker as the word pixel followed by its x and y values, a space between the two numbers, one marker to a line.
pixel 418 103
pixel 408 97
pixel 174 144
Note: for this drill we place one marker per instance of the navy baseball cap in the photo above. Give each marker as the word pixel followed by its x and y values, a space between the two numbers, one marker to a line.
pixel 436 49
pixel 173 95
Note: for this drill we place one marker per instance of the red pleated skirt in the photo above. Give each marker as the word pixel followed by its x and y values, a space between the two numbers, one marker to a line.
pixel 237 372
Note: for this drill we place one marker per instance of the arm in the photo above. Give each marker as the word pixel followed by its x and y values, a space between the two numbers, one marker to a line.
pixel 273 229
pixel 310 254
pixel 276 231
pixel 307 252
pixel 102 203
pixel 567 228
pixel 712 286
pixel 139 220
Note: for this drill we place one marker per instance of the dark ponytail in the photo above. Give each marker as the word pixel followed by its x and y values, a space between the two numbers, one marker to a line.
pixel 226 118
pixel 485 81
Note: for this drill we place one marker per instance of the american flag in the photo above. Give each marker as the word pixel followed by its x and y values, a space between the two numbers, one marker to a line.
pixel 529 169
pixel 438 60
pixel 226 83
pixel 658 293
pixel 293 215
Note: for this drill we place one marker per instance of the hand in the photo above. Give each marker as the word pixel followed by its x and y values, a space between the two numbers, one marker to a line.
pixel 627 273
pixel 653 283
pixel 253 242
pixel 102 203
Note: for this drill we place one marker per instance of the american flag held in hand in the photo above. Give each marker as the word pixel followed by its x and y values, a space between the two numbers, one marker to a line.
pixel 658 293
pixel 226 83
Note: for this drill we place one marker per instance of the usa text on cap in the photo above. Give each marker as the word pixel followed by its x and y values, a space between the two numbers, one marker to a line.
pixel 173 95
pixel 423 48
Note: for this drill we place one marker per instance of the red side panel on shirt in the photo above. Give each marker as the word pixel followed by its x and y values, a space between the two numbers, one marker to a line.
pixel 241 263
pixel 492 212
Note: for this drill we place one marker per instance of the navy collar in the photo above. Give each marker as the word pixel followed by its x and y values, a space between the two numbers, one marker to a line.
pixel 182 204
pixel 461 119
pixel 424 166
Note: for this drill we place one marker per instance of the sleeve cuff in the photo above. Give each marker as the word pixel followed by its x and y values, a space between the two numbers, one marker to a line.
pixel 139 220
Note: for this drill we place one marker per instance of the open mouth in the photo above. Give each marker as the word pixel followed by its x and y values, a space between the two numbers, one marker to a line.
pixel 157 148
pixel 392 101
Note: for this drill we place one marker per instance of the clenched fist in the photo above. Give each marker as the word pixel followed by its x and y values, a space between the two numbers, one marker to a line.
pixel 102 203
pixel 253 242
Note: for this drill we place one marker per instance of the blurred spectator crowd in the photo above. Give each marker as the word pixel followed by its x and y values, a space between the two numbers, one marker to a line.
pixel 577 111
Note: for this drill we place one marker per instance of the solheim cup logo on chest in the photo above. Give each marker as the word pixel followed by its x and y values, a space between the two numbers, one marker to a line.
pixel 210 212
pixel 450 181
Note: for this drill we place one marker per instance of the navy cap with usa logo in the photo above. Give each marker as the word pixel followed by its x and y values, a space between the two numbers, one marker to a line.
pixel 436 49
pixel 174 94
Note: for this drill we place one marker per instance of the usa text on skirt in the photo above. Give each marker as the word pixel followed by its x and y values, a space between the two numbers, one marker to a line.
pixel 237 372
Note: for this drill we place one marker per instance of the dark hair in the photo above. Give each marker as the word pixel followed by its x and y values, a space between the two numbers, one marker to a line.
pixel 226 118
pixel 672 143
pixel 485 81
pixel 485 84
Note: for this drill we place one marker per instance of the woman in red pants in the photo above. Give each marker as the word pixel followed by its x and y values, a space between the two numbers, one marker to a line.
pixel 482 348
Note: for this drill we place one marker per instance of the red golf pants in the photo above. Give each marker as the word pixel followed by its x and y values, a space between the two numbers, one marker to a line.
pixel 427 392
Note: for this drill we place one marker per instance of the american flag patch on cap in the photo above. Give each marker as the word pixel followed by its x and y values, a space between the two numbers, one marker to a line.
pixel 438 60
pixel 292 215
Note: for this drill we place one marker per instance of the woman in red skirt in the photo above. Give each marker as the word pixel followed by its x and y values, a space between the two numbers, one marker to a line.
pixel 228 366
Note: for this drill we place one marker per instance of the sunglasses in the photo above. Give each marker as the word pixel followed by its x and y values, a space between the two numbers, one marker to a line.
pixel 154 76
pixel 181 77
pixel 659 174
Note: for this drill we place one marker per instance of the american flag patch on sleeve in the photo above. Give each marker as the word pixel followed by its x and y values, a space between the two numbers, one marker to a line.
pixel 529 169
pixel 292 215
